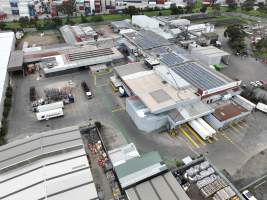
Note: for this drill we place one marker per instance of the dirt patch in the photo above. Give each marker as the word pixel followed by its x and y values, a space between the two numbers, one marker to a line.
pixel 41 38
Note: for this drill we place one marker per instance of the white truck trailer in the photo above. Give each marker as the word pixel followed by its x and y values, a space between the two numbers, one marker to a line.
pixel 51 106
pixel 46 115
pixel 201 131
pixel 207 126
pixel 262 107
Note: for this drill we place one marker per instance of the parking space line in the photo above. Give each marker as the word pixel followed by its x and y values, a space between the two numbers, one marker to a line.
pixel 102 85
pixel 195 134
pixel 118 109
pixel 188 136
pixel 244 124
pixel 189 146
pixel 234 128
pixel 226 137
pixel 94 79
pixel 240 126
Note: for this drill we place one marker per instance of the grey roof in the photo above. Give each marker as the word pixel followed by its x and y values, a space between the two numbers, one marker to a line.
pixel 89 54
pixel 163 187
pixel 139 163
pixel 38 146
pixel 15 60
pixel 130 68
pixel 147 39
pixel 199 76
pixel 122 24
pixel 171 59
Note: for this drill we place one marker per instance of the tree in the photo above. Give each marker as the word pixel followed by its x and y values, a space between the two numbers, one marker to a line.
pixel 203 9
pixel 97 18
pixel 262 7
pixel 176 10
pixel 83 19
pixel 261 47
pixel 24 21
pixel 67 7
pixel 69 21
pixel 190 6
pixel 232 5
pixel 131 10
pixel 2 25
pixel 58 21
pixel 248 5
pixel 236 37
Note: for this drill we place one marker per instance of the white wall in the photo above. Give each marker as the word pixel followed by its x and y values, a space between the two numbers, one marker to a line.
pixel 144 21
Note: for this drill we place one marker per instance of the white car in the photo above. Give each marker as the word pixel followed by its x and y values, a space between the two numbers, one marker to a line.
pixel 247 194
pixel 253 84
pixel 259 83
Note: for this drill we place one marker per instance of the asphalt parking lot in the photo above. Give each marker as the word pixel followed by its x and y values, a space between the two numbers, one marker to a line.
pixel 231 149
pixel 22 121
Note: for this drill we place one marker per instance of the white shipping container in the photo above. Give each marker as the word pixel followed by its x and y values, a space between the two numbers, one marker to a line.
pixel 206 126
pixel 49 114
pixel 262 107
pixel 50 106
pixel 202 132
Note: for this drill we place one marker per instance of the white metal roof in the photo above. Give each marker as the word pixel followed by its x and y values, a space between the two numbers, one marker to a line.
pixel 6 41
pixel 120 155
pixel 60 175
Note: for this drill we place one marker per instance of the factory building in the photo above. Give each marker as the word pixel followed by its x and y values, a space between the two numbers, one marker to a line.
pixel 144 176
pixel 174 86
pixel 7 41
pixel 56 61
pixel 47 165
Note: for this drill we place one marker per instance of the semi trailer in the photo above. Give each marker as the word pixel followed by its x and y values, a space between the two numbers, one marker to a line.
pixel 201 131
pixel 46 115
pixel 50 106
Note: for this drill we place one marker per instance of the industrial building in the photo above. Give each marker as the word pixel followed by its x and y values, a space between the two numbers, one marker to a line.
pixel 174 86
pixel 7 41
pixel 143 177
pixel 56 61
pixel 47 165
pixel 78 34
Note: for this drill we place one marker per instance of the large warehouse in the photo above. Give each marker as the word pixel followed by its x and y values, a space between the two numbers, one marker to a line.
pixel 56 61
pixel 49 165
pixel 7 41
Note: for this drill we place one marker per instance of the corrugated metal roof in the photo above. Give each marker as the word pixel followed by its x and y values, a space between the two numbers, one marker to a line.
pixel 37 146
pixel 136 164
pixel 163 187
pixel 62 173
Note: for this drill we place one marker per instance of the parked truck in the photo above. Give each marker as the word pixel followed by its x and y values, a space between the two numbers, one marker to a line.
pixel 201 131
pixel 46 115
pixel 50 106
pixel 86 90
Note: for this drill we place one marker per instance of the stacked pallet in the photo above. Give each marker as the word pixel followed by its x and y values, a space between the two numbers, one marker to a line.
pixel 212 188
pixel 208 180
pixel 224 194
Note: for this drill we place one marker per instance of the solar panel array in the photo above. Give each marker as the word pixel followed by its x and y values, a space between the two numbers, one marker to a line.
pixel 171 59
pixel 198 76
pixel 149 40
pixel 89 54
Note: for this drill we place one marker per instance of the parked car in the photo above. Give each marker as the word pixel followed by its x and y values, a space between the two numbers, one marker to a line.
pixel 247 195
pixel 259 83
pixel 254 84
pixel 86 90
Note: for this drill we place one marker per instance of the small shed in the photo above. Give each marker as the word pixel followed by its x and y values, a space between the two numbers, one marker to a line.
pixel 210 55
pixel 140 168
